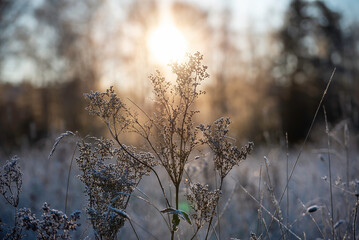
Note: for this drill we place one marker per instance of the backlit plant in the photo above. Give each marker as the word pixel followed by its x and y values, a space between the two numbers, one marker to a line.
pixel 112 172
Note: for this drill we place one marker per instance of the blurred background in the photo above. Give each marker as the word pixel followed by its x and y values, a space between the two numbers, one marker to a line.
pixel 269 61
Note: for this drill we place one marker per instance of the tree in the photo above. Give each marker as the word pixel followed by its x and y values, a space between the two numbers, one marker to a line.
pixel 312 44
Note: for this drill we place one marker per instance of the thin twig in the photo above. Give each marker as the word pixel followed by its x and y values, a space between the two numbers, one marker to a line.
pixel 269 213
pixel 259 222
pixel 313 219
pixel 213 212
pixel 68 178
pixel 274 200
pixel 195 234
pixel 144 229
pixel 346 144
pixel 330 176
pixel 225 206
pixel 355 217
pixel 154 206
pixel 306 138
pixel 133 228
pixel 266 228
pixel 138 160
pixel 287 172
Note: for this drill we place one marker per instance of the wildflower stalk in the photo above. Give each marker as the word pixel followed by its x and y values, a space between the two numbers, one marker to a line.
pixel 355 217
pixel 68 179
pixel 259 224
pixel 138 160
pixel 287 179
pixel 226 154
pixel 346 145
pixel 330 176
pixel 195 234
pixel 213 211
pixel 133 228
pixel 171 136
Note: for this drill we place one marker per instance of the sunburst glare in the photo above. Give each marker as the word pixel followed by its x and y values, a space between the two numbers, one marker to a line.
pixel 166 43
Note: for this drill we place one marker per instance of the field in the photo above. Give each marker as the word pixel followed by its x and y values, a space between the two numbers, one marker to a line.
pixel 193 183
pixel 45 181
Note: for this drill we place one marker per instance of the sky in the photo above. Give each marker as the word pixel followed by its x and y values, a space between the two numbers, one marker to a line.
pixel 259 16
pixel 264 13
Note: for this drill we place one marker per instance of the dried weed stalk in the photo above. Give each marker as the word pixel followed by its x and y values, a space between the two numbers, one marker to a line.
pixel 11 181
pixel 226 154
pixel 203 202
pixel 110 176
pixel 53 223
pixel 111 170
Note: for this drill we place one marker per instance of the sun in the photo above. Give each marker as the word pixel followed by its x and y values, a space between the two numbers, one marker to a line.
pixel 166 43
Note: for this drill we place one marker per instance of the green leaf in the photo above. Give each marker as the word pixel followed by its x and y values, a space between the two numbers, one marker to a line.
pixel 177 213
pixel 187 218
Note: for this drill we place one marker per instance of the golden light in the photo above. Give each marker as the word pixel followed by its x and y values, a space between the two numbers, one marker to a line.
pixel 166 43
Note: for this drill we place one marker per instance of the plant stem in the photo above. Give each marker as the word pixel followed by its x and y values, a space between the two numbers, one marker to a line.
pixel 355 217
pixel 346 144
pixel 304 142
pixel 138 160
pixel 133 228
pixel 210 221
pixel 330 176
pixel 259 215
pixel 287 170
pixel 177 193
pixel 194 235
pixel 68 179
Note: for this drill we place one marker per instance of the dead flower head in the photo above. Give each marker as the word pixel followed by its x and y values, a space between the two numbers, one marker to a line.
pixel 11 181
pixel 227 155
pixel 203 203
pixel 109 173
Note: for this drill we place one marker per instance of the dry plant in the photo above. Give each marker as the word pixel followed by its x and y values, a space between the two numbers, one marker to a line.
pixel 111 170
pixel 109 184
pixel 53 224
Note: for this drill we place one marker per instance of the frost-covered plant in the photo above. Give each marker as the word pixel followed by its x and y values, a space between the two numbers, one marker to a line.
pixel 53 223
pixel 226 154
pixel 111 172
pixel 170 132
pixel 110 175
pixel 203 202
pixel 174 135
pixel 11 181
